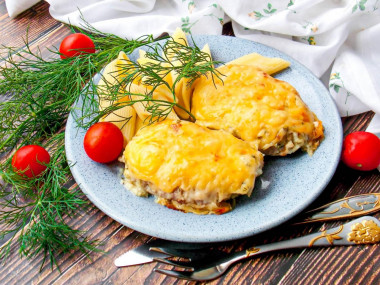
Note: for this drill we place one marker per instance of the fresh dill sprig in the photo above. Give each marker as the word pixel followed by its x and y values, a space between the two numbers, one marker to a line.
pixel 170 57
pixel 42 91
pixel 37 96
pixel 35 212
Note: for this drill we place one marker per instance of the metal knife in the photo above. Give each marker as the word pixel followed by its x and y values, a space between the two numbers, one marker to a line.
pixel 345 208
pixel 141 254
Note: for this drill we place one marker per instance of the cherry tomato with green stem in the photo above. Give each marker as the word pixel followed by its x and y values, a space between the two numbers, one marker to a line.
pixel 30 160
pixel 76 44
pixel 103 142
pixel 361 151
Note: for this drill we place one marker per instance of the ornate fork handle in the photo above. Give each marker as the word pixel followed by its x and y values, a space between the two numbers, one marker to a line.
pixel 364 230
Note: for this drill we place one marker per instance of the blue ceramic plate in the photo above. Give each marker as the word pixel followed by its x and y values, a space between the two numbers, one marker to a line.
pixel 287 186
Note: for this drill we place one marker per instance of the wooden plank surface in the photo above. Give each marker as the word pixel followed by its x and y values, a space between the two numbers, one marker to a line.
pixel 344 265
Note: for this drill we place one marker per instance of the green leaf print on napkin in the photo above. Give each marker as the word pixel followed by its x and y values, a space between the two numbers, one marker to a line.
pixel 359 4
pixel 265 13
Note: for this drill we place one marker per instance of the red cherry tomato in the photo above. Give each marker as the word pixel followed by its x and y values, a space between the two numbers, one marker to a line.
pixel 361 151
pixel 29 160
pixel 76 44
pixel 103 142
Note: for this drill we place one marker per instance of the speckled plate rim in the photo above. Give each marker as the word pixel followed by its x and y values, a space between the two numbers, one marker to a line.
pixel 287 186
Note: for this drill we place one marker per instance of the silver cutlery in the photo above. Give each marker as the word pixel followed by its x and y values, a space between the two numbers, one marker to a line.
pixel 139 255
pixel 364 230
pixel 142 253
pixel 345 208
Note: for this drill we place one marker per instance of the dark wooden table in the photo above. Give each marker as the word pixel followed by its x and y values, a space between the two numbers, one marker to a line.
pixel 337 265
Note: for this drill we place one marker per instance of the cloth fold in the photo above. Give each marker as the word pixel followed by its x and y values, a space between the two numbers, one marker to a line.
pixel 133 18
pixel 16 7
pixel 340 37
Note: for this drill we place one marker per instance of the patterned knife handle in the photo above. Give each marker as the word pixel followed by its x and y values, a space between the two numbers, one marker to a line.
pixel 345 208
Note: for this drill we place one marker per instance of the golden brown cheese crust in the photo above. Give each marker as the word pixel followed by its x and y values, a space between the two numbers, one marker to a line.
pixel 257 108
pixel 190 167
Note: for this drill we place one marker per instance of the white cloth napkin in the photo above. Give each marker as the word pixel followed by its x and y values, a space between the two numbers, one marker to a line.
pixel 338 40
pixel 134 18
pixel 15 7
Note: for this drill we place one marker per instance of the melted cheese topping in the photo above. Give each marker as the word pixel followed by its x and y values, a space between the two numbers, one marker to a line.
pixel 257 108
pixel 189 163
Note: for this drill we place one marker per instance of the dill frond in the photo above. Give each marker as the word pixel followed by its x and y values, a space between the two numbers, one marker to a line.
pixel 36 211
pixel 37 97
pixel 190 63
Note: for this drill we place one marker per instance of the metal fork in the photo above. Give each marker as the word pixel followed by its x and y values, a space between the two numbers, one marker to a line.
pixel 364 230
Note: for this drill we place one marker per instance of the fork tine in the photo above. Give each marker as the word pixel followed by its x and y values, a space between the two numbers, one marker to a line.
pixel 171 252
pixel 174 263
pixel 192 255
pixel 174 273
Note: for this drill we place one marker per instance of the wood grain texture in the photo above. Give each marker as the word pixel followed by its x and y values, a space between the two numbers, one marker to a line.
pixel 37 20
pixel 344 265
